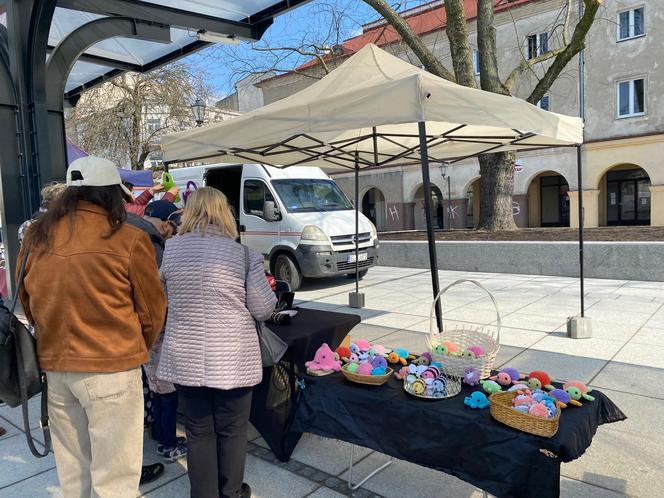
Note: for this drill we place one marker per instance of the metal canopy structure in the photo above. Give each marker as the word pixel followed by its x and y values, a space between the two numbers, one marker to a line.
pixel 53 50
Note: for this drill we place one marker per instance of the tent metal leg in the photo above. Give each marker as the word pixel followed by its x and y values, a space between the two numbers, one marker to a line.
pixel 356 299
pixel 579 172
pixel 354 487
pixel 428 210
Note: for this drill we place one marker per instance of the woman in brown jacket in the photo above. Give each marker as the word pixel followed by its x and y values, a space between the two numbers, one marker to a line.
pixel 93 293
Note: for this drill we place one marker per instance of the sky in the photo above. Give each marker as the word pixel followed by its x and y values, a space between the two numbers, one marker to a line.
pixel 320 22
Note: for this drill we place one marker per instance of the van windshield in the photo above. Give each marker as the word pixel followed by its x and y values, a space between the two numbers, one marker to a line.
pixel 310 196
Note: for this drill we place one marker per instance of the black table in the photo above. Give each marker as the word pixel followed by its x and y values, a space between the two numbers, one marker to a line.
pixel 449 437
pixel 275 398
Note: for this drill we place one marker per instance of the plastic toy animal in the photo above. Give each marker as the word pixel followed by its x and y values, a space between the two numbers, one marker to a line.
pixel 324 360
pixel 471 376
pixel 538 379
pixel 477 400
pixel 490 386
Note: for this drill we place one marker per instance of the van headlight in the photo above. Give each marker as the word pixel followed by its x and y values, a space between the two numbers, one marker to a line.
pixel 312 232
pixel 374 232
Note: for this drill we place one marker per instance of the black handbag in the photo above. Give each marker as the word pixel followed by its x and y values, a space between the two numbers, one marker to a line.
pixel 20 375
pixel 272 347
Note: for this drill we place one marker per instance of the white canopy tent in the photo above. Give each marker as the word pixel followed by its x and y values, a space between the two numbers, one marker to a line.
pixel 376 110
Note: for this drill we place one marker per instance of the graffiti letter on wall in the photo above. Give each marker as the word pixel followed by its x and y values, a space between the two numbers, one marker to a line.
pixel 452 210
pixel 516 208
pixel 394 213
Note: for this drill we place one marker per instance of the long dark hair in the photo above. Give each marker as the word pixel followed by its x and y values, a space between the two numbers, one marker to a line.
pixel 40 233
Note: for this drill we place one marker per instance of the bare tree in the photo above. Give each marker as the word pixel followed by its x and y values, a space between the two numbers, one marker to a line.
pixel 496 170
pixel 124 118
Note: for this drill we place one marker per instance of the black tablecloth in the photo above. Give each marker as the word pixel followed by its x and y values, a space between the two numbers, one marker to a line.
pixel 274 399
pixel 446 435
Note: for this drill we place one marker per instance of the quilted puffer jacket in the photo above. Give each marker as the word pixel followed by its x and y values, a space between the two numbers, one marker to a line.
pixel 211 337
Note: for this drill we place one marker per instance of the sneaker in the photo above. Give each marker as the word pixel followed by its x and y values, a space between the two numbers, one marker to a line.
pixel 245 490
pixel 178 442
pixel 151 472
pixel 175 454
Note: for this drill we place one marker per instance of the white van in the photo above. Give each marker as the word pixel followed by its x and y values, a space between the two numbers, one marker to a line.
pixel 297 217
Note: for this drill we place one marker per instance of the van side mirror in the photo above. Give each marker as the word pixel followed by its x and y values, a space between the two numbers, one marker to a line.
pixel 270 211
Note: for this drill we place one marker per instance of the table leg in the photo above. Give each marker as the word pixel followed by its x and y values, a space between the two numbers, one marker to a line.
pixel 354 487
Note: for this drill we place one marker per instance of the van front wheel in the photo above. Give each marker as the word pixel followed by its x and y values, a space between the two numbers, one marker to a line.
pixel 285 269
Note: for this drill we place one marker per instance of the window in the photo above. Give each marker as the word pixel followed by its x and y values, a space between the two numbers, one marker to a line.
pixel 544 103
pixel 476 61
pixel 256 194
pixel 153 125
pixel 311 196
pixel 537 45
pixel 631 98
pixel 631 24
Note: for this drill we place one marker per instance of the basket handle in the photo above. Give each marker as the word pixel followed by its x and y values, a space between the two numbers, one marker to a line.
pixel 432 313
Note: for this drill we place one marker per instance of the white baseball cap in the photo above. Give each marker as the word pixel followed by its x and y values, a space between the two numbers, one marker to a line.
pixel 91 171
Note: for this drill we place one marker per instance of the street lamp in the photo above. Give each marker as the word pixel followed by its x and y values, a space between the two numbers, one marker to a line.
pixel 198 108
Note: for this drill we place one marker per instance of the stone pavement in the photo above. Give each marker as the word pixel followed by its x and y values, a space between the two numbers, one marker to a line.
pixel 625 359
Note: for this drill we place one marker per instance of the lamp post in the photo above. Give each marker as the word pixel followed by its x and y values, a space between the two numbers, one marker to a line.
pixel 198 108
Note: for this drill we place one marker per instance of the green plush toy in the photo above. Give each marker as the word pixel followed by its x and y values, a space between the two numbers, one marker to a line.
pixel 168 183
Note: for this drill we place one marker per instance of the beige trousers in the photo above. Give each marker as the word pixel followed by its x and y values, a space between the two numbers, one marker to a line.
pixel 97 429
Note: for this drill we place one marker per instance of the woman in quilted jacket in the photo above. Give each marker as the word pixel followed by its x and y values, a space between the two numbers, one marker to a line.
pixel 211 351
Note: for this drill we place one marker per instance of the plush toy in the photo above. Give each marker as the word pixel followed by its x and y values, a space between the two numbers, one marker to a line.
pixel 402 374
pixel 441 349
pixel 430 373
pixel 419 387
pixel 451 346
pixel 471 376
pixel 521 408
pixel 352 368
pixel 439 388
pixel 365 369
pixel 423 359
pixel 518 387
pixel 563 398
pixel 380 350
pixel 539 410
pixel 478 351
pixel 354 348
pixel 477 400
pixel 168 183
pixel 324 360
pixel 577 390
pixel 363 345
pixel 490 386
pixel 507 376
pixel 398 355
pixel 522 399
pixel 379 371
pixel 379 362
pixel 353 358
pixel 538 379
pixel 344 353
pixel 363 356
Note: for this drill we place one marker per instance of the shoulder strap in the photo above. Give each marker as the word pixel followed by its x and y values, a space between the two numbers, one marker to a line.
pixel 247 263
pixel 43 421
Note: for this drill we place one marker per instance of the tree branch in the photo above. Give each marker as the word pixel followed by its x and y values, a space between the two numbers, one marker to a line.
pixel 528 64
pixel 301 51
pixel 486 43
pixel 412 39
pixel 576 45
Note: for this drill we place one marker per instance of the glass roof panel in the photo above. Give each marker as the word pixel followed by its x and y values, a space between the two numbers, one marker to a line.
pixel 226 9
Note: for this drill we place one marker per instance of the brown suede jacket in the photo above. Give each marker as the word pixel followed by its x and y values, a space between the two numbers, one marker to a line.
pixel 97 303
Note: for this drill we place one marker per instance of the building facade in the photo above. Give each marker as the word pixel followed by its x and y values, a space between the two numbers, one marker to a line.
pixel 623 154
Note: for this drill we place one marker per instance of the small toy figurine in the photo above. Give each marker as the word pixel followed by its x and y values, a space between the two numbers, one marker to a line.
pixel 324 360
pixel 507 376
pixel 577 390
pixel 563 398
pixel 424 359
pixel 471 376
pixel 490 386
pixel 365 369
pixel 477 400
pixel 538 379
pixel 344 353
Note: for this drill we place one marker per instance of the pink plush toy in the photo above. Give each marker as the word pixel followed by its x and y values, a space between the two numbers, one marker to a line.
pixel 380 350
pixel 401 374
pixel 365 369
pixel 478 351
pixel 451 346
pixel 324 360
pixel 539 410
pixel 363 345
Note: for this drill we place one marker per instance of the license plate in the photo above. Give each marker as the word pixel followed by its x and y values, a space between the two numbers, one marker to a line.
pixel 363 257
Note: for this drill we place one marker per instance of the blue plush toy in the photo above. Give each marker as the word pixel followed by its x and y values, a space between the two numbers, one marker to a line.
pixel 477 400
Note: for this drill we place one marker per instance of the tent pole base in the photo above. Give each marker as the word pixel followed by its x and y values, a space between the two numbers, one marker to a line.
pixel 356 300
pixel 579 327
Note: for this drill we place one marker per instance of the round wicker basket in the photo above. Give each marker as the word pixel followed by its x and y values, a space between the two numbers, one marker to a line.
pixel 370 380
pixel 502 411
pixel 465 337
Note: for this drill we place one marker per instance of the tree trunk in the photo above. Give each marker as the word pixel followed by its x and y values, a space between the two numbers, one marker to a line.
pixel 457 33
pixel 497 185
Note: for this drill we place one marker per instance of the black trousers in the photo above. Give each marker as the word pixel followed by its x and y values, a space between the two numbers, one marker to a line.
pixel 216 424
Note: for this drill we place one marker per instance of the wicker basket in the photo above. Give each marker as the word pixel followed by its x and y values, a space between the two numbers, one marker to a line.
pixel 453 388
pixel 370 380
pixel 464 337
pixel 502 411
